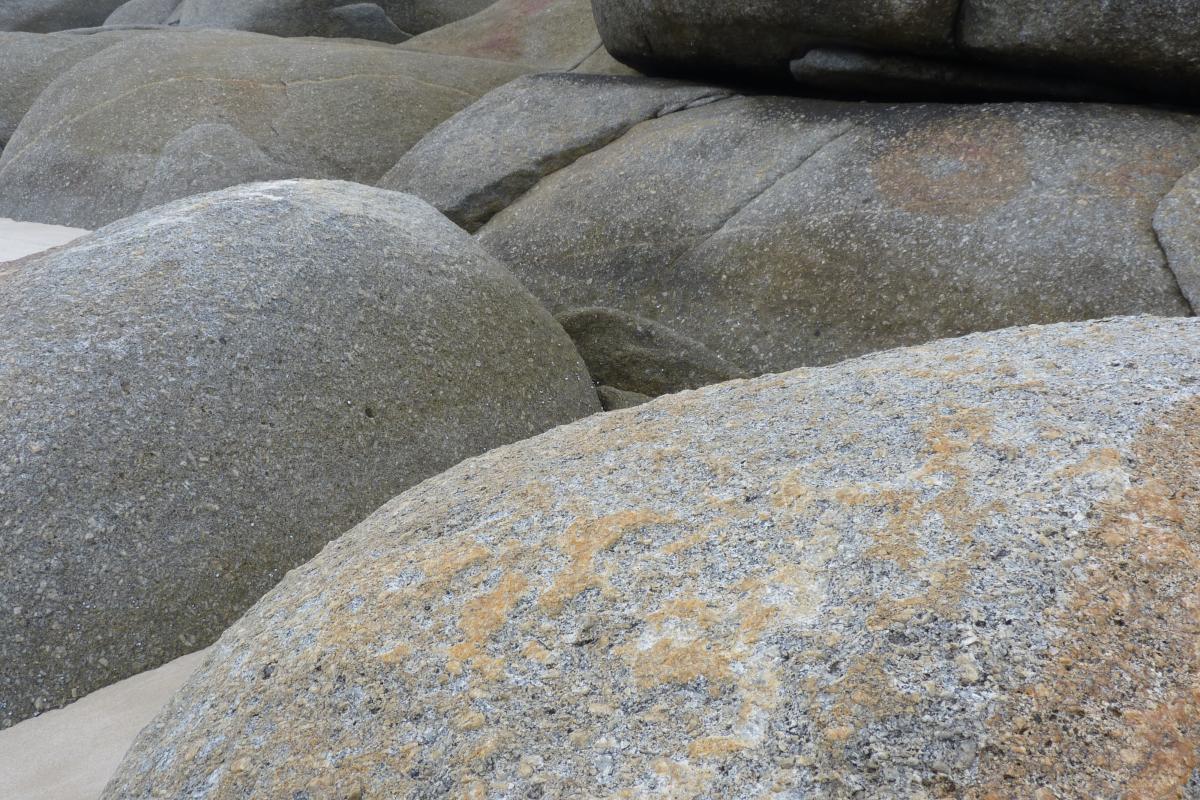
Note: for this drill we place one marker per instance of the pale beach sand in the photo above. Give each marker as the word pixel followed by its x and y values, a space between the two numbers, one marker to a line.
pixel 19 239
pixel 71 753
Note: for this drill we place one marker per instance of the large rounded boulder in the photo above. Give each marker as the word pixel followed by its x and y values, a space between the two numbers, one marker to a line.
pixel 196 399
pixel 1150 47
pixel 29 62
pixel 45 16
pixel 169 114
pixel 780 232
pixel 968 569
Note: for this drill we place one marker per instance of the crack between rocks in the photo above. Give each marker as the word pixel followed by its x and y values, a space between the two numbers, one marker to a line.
pixel 834 139
pixel 574 155
pixel 583 60
pixel 957 25
pixel 1159 242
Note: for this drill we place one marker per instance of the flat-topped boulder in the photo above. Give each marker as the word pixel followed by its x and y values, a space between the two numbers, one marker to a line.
pixel 780 232
pixel 199 397
pixel 1148 48
pixel 961 570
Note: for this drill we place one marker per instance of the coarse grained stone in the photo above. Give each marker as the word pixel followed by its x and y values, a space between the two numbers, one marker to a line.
pixel 199 397
pixel 968 569
pixel 86 152
pixel 781 232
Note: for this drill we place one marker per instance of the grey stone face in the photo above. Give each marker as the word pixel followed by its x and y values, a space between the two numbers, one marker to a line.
pixel 30 61
pixel 1148 47
pixel 104 134
pixel 544 35
pixel 516 144
pixel 966 569
pixel 762 36
pixel 199 397
pixel 782 232
pixel 636 355
pixel 45 16
pixel 386 20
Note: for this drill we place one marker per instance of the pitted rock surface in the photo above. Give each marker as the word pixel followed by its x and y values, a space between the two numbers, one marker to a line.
pixel 781 232
pixel 102 135
pixel 968 569
pixel 196 399
pixel 1151 47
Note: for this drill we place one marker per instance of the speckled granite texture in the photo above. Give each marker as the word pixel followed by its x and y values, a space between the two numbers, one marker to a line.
pixel 197 398
pixel 967 569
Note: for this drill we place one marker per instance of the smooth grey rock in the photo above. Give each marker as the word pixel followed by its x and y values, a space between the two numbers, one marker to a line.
pixel 208 157
pixel 364 21
pixel 143 12
pixel 1177 225
pixel 30 61
pixel 88 150
pixel 386 20
pixel 46 16
pixel 612 399
pixel 419 16
pixel 708 38
pixel 515 145
pixel 1151 48
pixel 638 355
pixel 967 569
pixel 858 73
pixel 781 232
pixel 197 398
pixel 543 35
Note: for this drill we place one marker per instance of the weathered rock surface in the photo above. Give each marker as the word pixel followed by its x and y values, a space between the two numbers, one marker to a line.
pixel 197 398
pixel 30 61
pixel 386 20
pixel 544 35
pixel 1150 47
pixel 637 355
pixel 45 16
pixel 98 142
pixel 962 570
pixel 517 143
pixel 613 399
pixel 782 232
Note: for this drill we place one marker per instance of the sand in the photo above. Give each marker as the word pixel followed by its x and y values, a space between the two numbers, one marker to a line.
pixel 19 239
pixel 71 753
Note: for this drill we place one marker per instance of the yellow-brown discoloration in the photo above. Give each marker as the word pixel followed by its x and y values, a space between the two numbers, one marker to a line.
pixel 1118 704
pixel 681 662
pixel 581 543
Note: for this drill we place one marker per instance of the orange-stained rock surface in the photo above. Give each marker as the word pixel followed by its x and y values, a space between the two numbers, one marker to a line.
pixel 967 569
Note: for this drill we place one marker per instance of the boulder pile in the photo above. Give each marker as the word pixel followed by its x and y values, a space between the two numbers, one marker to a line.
pixel 701 400
pixel 962 570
